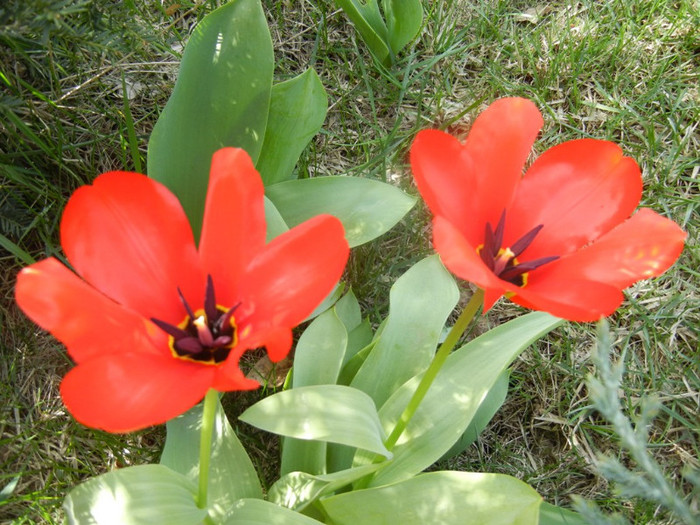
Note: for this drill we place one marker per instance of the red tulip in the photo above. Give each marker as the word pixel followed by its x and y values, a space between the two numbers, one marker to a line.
pixel 561 238
pixel 154 321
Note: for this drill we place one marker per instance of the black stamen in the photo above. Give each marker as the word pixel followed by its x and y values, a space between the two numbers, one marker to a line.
pixel 515 271
pixel 184 302
pixel 188 345
pixel 498 235
pixel 169 329
pixel 225 319
pixel 521 244
pixel 210 301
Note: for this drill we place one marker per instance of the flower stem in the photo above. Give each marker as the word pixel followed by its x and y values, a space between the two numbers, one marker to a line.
pixel 208 414
pixel 431 373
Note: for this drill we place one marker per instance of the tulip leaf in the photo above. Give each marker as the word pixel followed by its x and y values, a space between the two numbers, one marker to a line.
pixel 297 489
pixel 484 414
pixel 403 21
pixel 445 497
pixel 454 397
pixel 419 304
pixel 259 512
pixel 367 208
pixel 275 223
pixel 221 98
pixel 231 473
pixel 317 361
pixel 348 310
pixel 365 16
pixel 152 494
pixel 297 110
pixel 553 515
pixel 332 413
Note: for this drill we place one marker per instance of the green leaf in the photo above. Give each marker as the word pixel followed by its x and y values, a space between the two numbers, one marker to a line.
pixel 221 98
pixel 553 515
pixel 333 413
pixel 420 302
pixel 447 498
pixel 297 489
pixel 454 397
pixel 231 473
pixel 358 339
pixel 348 310
pixel 297 111
pixel 259 512
pixel 484 414
pixel 367 208
pixel 365 16
pixel 317 361
pixel 140 495
pixel 403 20
pixel 275 223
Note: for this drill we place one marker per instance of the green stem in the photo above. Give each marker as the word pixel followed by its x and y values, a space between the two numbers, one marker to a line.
pixel 431 373
pixel 208 414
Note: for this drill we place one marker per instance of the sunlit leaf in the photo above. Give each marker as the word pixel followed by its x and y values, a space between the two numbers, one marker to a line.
pixel 447 498
pixel 297 110
pixel 333 413
pixel 367 208
pixel 317 361
pixel 221 98
pixel 259 512
pixel 420 302
pixel 365 16
pixel 231 473
pixel 454 397
pixel 140 495
pixel 403 21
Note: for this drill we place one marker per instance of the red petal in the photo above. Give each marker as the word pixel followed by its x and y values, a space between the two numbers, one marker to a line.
pixel 229 377
pixel 128 391
pixel 471 184
pixel 643 246
pixel 445 177
pixel 83 319
pixel 233 230
pixel 294 273
pixel 499 144
pixel 575 300
pixel 578 190
pixel 128 236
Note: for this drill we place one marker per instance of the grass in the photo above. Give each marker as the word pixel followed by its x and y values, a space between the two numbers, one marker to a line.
pixel 626 71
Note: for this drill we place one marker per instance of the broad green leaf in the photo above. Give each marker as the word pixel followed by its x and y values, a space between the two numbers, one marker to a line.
pixel 328 302
pixel 367 208
pixel 297 111
pixel 403 21
pixel 447 498
pixel 140 495
pixel 487 409
pixel 297 489
pixel 348 310
pixel 365 16
pixel 419 304
pixel 259 512
pixel 454 397
pixel 275 223
pixel 333 413
pixel 317 361
pixel 221 98
pixel 553 515
pixel 231 473
pixel 358 339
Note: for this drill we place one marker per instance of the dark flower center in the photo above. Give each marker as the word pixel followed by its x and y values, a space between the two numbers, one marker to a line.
pixel 204 336
pixel 503 261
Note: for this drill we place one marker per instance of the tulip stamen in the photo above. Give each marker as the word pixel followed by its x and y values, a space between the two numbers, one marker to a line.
pixel 503 261
pixel 206 335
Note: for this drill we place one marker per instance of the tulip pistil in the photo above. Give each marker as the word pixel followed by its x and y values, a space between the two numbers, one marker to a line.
pixel 503 261
pixel 204 336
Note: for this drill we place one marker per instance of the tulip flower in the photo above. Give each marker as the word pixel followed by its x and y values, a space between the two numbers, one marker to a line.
pixel 154 321
pixel 561 237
